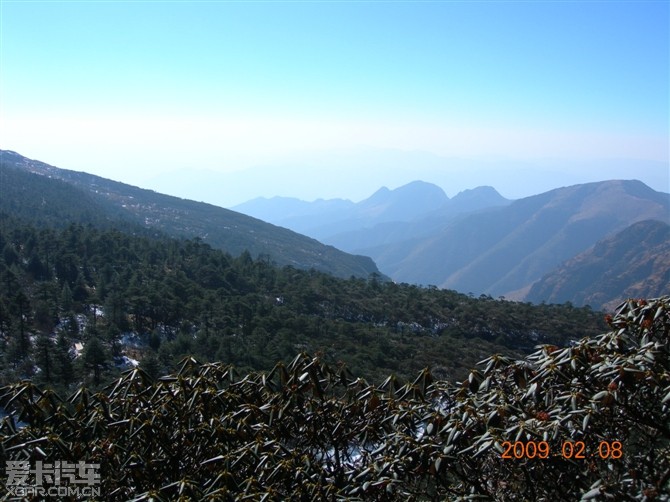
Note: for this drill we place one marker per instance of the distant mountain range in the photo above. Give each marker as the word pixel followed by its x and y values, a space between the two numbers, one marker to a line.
pixel 478 241
pixel 45 194
pixel 356 173
pixel 342 223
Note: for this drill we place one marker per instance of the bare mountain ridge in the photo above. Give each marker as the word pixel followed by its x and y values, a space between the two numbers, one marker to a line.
pixel 419 226
pixel 504 250
pixel 128 205
pixel 634 263
pixel 323 217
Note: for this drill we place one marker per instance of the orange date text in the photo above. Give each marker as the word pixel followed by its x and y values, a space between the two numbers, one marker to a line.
pixel 569 450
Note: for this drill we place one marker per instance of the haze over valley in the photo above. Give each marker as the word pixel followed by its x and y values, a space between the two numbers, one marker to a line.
pixel 355 173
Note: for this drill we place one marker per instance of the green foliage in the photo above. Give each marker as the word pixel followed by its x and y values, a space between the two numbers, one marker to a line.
pixel 183 298
pixel 95 358
pixel 310 430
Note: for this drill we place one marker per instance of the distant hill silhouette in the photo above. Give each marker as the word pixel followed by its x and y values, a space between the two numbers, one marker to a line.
pixel 634 263
pixel 45 194
pixel 421 225
pixel 295 214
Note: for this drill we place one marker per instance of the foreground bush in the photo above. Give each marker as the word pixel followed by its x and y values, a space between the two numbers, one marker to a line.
pixel 587 421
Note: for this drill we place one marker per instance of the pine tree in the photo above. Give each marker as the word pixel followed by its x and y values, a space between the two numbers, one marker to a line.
pixel 63 367
pixel 95 358
pixel 66 301
pixel 151 365
pixel 43 353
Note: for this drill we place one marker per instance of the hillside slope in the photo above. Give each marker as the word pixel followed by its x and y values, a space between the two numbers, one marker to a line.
pixel 32 188
pixel 635 263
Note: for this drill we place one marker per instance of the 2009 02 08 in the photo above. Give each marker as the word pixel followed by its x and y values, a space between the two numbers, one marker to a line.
pixel 569 450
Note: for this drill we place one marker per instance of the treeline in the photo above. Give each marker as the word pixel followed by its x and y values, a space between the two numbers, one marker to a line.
pixel 75 301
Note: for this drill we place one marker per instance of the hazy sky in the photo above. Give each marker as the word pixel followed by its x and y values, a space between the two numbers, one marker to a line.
pixel 131 90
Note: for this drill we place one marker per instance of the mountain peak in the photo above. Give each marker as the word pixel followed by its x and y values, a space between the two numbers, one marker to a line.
pixel 419 185
pixel 403 203
pixel 486 195
pixel 381 194
pixel 484 189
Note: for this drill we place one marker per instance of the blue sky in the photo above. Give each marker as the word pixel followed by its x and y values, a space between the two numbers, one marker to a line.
pixel 134 90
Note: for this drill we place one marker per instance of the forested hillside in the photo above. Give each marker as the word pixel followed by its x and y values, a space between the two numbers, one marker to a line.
pixel 156 299
pixel 47 195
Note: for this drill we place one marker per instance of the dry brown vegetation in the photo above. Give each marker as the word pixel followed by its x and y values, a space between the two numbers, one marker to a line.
pixel 308 431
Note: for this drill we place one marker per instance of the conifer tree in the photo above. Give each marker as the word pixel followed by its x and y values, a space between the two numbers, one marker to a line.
pixel 43 354
pixel 95 358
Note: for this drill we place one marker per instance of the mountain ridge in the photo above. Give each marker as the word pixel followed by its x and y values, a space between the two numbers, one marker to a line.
pixel 505 249
pixel 219 227
pixel 477 241
pixel 345 224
